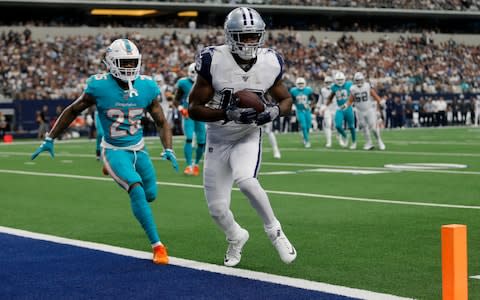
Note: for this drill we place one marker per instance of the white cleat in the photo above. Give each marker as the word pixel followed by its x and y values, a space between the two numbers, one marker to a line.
pixel 308 145
pixel 328 145
pixel 234 250
pixel 276 154
pixel 285 249
pixel 342 141
pixel 353 146
pixel 368 146
pixel 381 145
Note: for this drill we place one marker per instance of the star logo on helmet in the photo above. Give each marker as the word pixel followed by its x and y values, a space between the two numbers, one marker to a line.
pixel 245 78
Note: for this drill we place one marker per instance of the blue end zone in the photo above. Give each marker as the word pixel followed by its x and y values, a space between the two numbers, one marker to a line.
pixel 35 269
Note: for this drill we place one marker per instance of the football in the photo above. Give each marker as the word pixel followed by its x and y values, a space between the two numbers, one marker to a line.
pixel 248 99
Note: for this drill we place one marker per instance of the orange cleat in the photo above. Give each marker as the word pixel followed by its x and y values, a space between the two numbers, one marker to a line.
pixel 196 170
pixel 188 171
pixel 160 256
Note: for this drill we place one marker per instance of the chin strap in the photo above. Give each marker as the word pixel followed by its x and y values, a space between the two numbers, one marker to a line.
pixel 132 92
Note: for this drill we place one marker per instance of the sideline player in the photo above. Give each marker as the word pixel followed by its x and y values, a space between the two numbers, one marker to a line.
pixel 302 96
pixel 367 102
pixel 234 135
pixel 328 112
pixel 341 92
pixel 122 96
pixel 190 126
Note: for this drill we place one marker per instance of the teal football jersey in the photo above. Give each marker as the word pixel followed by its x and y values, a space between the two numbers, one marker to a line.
pixel 185 84
pixel 120 115
pixel 302 97
pixel 341 92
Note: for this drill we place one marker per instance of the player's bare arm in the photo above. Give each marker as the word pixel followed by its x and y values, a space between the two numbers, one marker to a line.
pixel 70 113
pixel 375 96
pixel 202 92
pixel 178 97
pixel 156 111
pixel 330 99
pixel 281 95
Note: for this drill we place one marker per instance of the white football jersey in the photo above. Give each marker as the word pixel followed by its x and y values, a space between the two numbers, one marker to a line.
pixel 362 98
pixel 217 65
pixel 324 93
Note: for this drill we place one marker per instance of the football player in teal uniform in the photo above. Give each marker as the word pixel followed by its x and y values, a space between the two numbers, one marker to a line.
pixel 190 126
pixel 302 96
pixel 341 92
pixel 122 97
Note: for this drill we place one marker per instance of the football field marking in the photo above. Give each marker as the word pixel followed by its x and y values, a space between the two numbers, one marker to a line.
pixel 243 273
pixel 197 186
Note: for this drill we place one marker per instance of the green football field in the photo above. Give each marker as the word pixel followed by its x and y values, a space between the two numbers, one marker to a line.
pixel 363 219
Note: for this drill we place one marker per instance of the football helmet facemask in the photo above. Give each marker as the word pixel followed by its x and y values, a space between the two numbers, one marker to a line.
pixel 328 81
pixel 123 60
pixel 339 78
pixel 244 32
pixel 358 79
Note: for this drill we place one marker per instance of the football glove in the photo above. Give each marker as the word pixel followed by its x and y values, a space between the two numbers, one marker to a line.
pixel 268 115
pixel 240 115
pixel 344 106
pixel 168 154
pixel 47 145
pixel 183 111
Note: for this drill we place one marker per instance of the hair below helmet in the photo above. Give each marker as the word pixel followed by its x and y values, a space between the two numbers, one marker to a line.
pixel 339 78
pixel 300 83
pixel 123 60
pixel 244 32
pixel 192 73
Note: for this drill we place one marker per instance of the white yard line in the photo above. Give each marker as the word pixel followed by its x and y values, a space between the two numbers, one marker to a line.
pixel 309 195
pixel 277 279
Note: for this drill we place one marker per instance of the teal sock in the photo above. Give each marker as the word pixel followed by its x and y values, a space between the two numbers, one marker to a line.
pixel 306 136
pixel 143 213
pixel 342 132
pixel 199 153
pixel 354 135
pixel 188 149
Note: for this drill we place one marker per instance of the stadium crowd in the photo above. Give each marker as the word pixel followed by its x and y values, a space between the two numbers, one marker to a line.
pixel 57 67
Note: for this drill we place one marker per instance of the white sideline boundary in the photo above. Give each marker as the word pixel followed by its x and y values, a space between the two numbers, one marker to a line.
pixel 277 279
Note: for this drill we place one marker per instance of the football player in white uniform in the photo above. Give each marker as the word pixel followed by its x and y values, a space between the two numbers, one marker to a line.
pixel 234 134
pixel 367 103
pixel 476 110
pixel 328 112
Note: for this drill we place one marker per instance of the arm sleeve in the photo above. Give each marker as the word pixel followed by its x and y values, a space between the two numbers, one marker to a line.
pixel 203 63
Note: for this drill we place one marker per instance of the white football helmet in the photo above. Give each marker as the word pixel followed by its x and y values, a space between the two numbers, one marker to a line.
pixel 339 78
pixel 328 81
pixel 358 79
pixel 241 26
pixel 300 83
pixel 192 73
pixel 123 60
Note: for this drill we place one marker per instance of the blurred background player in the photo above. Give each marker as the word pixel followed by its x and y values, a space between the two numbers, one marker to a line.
pixel 328 112
pixel 341 92
pixel 122 96
pixel 476 122
pixel 302 96
pixel 363 95
pixel 190 126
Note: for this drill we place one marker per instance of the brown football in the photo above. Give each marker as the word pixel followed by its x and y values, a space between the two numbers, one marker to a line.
pixel 248 99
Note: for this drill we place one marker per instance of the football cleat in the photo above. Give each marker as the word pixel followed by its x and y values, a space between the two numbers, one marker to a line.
pixel 196 170
pixel 285 249
pixel 353 146
pixel 381 145
pixel 342 141
pixel 160 256
pixel 328 145
pixel 234 250
pixel 307 145
pixel 368 146
pixel 188 171
pixel 276 153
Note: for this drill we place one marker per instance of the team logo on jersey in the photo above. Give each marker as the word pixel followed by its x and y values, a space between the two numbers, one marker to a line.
pixel 245 78
pixel 210 149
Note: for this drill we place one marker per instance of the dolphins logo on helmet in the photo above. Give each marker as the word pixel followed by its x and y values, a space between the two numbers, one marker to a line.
pixel 123 61
pixel 244 32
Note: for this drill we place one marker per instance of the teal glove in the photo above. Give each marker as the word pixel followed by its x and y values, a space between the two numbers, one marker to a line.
pixel 47 145
pixel 168 154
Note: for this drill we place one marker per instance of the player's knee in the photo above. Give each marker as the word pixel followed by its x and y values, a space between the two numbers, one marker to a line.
pixel 217 209
pixel 248 185
pixel 134 185
pixel 151 193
